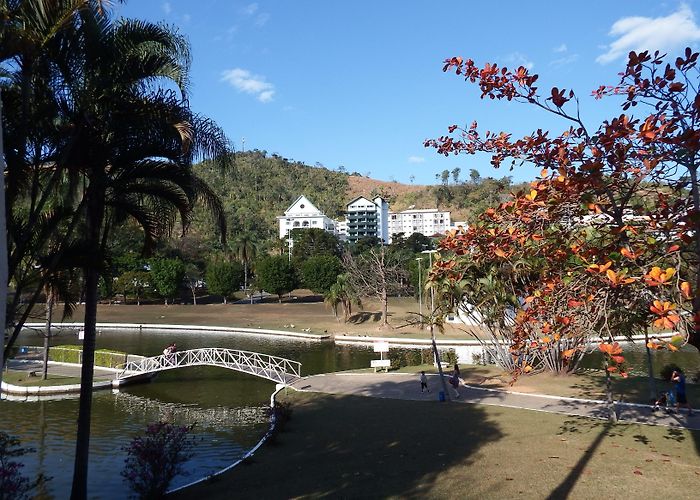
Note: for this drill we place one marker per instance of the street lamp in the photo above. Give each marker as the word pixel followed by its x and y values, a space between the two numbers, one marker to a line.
pixel 420 291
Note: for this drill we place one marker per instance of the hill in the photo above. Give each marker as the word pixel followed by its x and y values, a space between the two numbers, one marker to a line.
pixel 262 186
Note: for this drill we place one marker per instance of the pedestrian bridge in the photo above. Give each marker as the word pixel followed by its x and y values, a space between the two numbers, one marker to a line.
pixel 280 370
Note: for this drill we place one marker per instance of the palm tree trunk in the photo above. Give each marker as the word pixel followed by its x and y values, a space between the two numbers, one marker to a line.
pixel 95 212
pixel 3 249
pixel 245 275
pixel 47 335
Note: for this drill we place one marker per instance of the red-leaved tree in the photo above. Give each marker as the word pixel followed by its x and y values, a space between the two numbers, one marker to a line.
pixel 607 240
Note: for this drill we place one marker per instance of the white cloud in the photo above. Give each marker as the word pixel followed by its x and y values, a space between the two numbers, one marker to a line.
pixel 516 58
pixel 186 18
pixel 167 8
pixel 262 19
pixel 561 48
pixel 651 33
pixel 416 159
pixel 248 83
pixel 250 9
pixel 562 61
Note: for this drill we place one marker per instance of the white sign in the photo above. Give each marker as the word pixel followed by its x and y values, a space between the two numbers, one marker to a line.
pixel 380 363
pixel 81 335
pixel 381 347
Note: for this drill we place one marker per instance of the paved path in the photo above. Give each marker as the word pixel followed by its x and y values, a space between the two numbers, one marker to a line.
pixel 33 365
pixel 407 386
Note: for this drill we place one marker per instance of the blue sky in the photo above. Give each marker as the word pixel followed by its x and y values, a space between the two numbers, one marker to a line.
pixel 360 83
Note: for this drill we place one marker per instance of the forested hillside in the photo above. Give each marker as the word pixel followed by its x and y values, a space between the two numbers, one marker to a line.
pixel 262 186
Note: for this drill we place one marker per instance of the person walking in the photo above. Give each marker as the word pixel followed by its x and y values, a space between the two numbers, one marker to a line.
pixel 423 382
pixel 678 379
pixel 455 380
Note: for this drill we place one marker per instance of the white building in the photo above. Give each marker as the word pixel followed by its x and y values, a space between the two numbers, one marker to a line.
pixel 367 218
pixel 429 222
pixel 302 214
pixel 341 229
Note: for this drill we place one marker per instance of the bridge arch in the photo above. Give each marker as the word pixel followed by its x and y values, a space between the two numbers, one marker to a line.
pixel 279 370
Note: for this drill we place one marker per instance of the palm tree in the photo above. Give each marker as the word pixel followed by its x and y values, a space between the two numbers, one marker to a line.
pixel 30 40
pixel 130 139
pixel 245 248
pixel 332 298
pixel 342 290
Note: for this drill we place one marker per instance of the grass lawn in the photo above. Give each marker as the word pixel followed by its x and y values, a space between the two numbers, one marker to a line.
pixel 303 312
pixel 20 377
pixel 585 384
pixel 355 447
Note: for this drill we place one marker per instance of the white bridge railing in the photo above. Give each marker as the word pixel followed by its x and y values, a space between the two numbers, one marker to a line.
pixel 280 370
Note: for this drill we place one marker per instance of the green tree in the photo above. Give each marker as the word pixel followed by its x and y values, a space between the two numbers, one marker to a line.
pixel 365 244
pixel 320 272
pixel 313 242
pixel 167 276
pixel 276 275
pixel 193 280
pixel 224 278
pixel 133 282
pixel 341 293
pixel 246 249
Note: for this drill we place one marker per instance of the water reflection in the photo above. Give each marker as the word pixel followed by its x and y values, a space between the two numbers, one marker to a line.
pixel 226 406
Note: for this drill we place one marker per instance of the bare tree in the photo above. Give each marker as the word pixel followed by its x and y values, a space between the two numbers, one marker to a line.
pixel 376 273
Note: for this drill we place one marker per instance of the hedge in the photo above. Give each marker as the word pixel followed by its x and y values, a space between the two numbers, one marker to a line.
pixel 73 354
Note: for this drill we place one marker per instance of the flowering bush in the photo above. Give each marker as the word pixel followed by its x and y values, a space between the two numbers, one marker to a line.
pixel 156 458
pixel 13 485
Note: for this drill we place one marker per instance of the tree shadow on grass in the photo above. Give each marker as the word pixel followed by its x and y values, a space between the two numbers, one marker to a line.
pixel 356 447
pixel 565 487
pixel 364 317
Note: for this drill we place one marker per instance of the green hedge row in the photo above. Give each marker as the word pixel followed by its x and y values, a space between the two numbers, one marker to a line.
pixel 71 354
pixel 414 357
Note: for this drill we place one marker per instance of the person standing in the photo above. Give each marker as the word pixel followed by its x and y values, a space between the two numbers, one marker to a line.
pixel 423 382
pixel 678 379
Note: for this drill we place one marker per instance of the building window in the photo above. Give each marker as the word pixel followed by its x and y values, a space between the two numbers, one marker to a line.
pixel 315 223
pixel 302 206
pixel 305 224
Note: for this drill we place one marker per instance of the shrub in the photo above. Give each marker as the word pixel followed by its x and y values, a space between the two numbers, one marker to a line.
pixel 156 458
pixel 72 354
pixel 13 484
pixel 413 357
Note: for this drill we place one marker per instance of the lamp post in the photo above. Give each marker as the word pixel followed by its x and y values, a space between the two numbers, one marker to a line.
pixel 420 291
pixel 436 355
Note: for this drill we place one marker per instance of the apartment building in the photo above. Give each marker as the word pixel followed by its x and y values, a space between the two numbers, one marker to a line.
pixel 367 217
pixel 428 221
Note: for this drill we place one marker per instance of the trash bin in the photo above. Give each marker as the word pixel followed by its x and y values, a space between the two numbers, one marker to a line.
pixel 441 396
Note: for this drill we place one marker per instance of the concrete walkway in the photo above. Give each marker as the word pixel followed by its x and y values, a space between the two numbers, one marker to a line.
pixel 407 386
pixel 60 369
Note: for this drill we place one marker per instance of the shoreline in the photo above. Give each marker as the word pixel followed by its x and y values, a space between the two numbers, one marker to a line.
pixel 199 328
